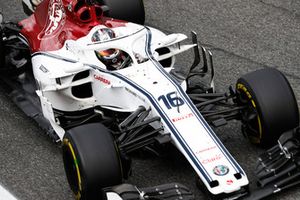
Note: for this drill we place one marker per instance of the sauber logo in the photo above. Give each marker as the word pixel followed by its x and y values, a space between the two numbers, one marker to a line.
pixel 101 79
pixel 229 182
pixel 56 19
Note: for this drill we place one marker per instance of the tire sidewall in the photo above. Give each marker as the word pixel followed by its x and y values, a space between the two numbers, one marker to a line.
pixel 274 100
pixel 2 50
pixel 251 98
pixel 90 183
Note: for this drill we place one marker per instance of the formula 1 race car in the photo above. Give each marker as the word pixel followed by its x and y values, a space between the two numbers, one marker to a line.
pixel 105 88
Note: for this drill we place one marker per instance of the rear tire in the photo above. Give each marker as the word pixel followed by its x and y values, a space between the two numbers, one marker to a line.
pixel 128 10
pixel 91 160
pixel 26 9
pixel 272 107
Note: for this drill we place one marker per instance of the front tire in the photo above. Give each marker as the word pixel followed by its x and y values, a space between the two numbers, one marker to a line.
pixel 2 50
pixel 271 105
pixel 91 160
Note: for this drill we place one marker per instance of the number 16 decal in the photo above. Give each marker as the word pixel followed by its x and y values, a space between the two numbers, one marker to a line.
pixel 171 100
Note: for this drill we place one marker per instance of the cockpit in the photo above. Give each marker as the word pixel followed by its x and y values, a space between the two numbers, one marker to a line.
pixel 116 50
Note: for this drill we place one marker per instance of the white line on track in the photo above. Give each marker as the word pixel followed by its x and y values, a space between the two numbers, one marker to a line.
pixel 5 195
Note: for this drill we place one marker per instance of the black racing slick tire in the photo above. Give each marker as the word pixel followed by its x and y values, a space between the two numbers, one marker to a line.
pixel 2 49
pixel 271 106
pixel 128 10
pixel 91 161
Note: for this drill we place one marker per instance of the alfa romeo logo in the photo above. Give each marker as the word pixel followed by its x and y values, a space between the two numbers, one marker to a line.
pixel 221 170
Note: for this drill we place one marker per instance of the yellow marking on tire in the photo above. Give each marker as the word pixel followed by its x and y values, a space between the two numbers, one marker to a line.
pixel 66 142
pixel 244 89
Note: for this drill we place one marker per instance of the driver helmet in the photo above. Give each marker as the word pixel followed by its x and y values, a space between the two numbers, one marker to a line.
pixel 112 58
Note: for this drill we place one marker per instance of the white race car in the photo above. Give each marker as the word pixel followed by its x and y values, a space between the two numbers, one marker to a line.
pixel 107 87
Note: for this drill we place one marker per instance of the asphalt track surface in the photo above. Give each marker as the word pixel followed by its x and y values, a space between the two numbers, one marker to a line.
pixel 243 36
